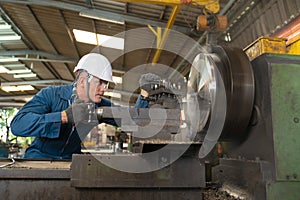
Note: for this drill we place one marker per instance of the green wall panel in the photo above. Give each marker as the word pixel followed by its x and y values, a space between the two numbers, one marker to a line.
pixel 285 94
pixel 283 191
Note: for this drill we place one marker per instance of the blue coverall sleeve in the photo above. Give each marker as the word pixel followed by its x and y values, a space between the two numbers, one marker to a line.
pixel 37 117
pixel 140 103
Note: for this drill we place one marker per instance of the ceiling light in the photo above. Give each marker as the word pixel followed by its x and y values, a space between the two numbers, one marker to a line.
pixel 31 75
pixel 103 40
pixel 110 41
pixel 17 88
pixel 85 37
pixel 227 37
pixel 88 15
pixel 19 71
pixel 10 37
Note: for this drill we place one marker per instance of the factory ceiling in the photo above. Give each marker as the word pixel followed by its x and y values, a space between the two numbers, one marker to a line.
pixel 40 45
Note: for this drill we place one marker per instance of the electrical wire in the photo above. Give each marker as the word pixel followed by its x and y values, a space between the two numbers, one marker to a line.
pixel 9 164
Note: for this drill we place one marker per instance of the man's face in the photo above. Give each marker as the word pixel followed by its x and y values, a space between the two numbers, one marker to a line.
pixel 97 89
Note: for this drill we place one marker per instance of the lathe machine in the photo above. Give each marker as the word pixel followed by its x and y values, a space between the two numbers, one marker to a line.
pixel 232 123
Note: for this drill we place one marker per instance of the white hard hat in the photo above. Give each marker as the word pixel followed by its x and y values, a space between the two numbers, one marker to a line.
pixel 96 65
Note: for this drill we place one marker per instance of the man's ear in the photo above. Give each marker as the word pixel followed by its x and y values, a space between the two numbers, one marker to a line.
pixel 81 81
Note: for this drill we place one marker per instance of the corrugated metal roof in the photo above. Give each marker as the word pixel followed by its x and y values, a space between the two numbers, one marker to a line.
pixel 263 19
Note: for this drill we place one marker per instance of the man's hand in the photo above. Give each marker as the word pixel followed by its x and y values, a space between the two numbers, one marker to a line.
pixel 147 83
pixel 77 112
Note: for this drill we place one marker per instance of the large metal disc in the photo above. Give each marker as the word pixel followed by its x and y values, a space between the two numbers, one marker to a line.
pixel 238 78
pixel 201 90
pixel 237 75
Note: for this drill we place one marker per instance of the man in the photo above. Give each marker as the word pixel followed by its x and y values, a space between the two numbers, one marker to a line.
pixel 53 116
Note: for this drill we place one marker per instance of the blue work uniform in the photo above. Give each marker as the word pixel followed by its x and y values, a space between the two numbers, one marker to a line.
pixel 41 118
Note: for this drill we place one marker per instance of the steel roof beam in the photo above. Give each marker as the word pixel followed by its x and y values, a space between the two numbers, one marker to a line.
pixel 34 52
pixel 40 56
pixel 70 33
pixel 15 27
pixel 18 97
pixel 37 83
pixel 11 104
pixel 46 60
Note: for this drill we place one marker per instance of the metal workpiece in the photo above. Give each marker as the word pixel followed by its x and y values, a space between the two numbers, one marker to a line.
pixel 137 113
pixel 133 119
pixel 220 96
pixel 167 98
pixel 226 69
pixel 167 93
pixel 237 74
